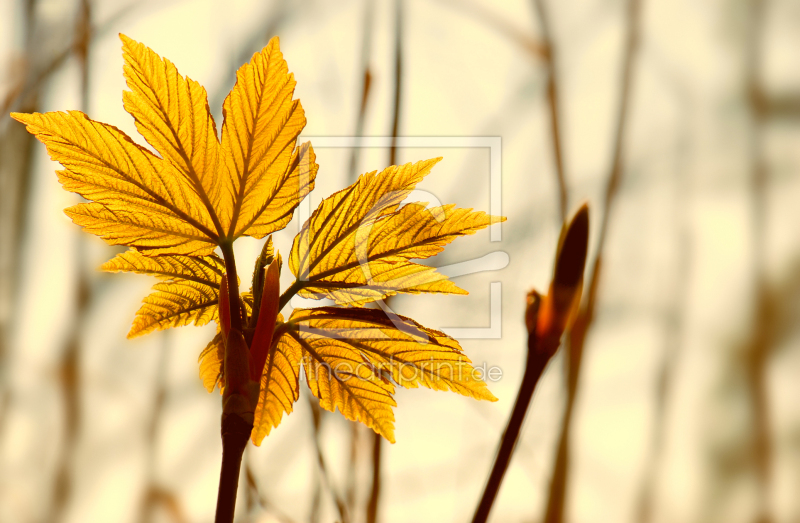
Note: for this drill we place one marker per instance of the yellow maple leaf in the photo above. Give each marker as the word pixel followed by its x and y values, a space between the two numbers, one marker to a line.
pixel 211 362
pixel 188 292
pixel 279 387
pixel 353 358
pixel 201 192
pixel 356 246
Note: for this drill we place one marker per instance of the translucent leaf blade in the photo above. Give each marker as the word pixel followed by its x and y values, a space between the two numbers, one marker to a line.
pixel 335 378
pixel 262 121
pixel 327 239
pixel 175 304
pixel 411 354
pixel 275 212
pixel 364 284
pixel 138 199
pixel 279 387
pixel 211 362
pixel 171 112
pixel 354 255
pixel 199 269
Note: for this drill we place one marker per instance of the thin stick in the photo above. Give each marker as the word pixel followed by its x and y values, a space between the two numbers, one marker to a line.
pixel 534 366
pixel 554 512
pixel 546 319
pixel 262 500
pixel 552 102
pixel 377 440
pixel 366 46
pixel 673 325
pixel 758 351
pixel 501 25
pixel 316 418
pixel 70 360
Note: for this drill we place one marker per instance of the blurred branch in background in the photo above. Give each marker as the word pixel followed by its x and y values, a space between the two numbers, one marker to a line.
pixel 71 357
pixel 757 353
pixel 356 429
pixel 44 54
pixel 155 494
pixel 325 478
pixel 255 496
pixel 366 80
pixel 674 319
pixel 377 439
pixel 553 104
pixel 274 21
pixel 503 26
pixel 554 511
pixel 15 166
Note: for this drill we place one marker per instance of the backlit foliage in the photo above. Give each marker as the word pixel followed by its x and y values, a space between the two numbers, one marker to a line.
pixel 201 191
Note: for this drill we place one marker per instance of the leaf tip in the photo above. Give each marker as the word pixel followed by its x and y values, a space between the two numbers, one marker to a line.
pixel 126 40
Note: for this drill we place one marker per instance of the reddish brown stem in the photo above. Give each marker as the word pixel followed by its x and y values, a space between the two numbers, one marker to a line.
pixel 233 286
pixel 235 433
pixel 534 366
pixel 235 430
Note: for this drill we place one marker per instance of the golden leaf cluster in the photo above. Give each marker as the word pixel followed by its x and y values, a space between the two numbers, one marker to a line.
pixel 200 191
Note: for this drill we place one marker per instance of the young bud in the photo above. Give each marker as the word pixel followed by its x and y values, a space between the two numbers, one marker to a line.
pixel 268 313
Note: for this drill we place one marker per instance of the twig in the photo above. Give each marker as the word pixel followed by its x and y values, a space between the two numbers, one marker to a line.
pixel 316 418
pixel 554 512
pixel 546 321
pixel 252 485
pixel 535 363
pixel 366 46
pixel 759 348
pixel 503 26
pixel 673 326
pixel 70 360
pixel 552 102
pixel 154 494
pixel 377 440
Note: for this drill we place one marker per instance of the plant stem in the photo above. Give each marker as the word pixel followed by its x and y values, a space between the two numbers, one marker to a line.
pixel 553 103
pixel 233 285
pixel 761 342
pixel 235 430
pixel 235 434
pixel 534 366
pixel 289 293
